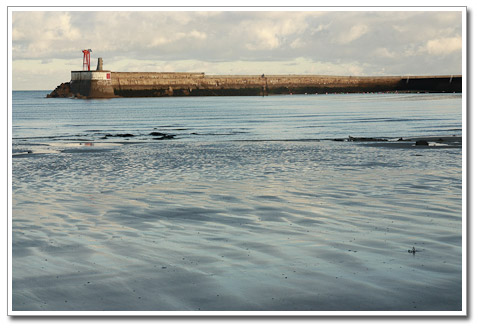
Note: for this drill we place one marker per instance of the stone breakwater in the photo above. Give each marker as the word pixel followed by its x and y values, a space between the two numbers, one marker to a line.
pixel 150 84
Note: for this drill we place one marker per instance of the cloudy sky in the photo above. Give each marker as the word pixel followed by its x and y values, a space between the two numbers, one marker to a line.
pixel 47 45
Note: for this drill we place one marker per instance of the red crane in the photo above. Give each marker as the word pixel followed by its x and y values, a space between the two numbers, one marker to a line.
pixel 86 59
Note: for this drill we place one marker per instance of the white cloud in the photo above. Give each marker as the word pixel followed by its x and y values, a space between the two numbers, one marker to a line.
pixel 270 31
pixel 162 40
pixel 297 43
pixel 264 39
pixel 198 35
pixel 443 46
pixel 320 28
pixel 383 53
pixel 37 34
pixel 353 34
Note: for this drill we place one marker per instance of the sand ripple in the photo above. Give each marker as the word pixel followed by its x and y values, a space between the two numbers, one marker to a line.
pixel 238 226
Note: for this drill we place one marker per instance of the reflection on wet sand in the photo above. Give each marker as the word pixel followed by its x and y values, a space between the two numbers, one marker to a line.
pixel 237 226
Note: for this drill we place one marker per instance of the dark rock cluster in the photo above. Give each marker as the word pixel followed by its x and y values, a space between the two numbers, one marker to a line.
pixel 421 143
pixel 161 135
pixel 61 91
pixel 365 139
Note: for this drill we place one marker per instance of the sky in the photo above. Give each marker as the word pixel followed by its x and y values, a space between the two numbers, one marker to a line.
pixel 47 45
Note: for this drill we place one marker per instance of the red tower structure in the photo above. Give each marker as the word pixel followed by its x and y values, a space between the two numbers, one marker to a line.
pixel 86 59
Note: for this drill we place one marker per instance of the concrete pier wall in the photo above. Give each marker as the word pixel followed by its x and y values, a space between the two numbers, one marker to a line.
pixel 106 84
pixel 199 84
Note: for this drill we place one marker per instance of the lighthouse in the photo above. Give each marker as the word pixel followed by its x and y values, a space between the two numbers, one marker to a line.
pixel 91 84
pixel 86 59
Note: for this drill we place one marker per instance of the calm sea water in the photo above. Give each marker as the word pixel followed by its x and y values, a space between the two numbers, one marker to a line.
pixel 250 206
pixel 239 118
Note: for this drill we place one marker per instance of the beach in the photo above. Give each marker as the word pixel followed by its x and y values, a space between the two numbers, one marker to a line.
pixel 238 226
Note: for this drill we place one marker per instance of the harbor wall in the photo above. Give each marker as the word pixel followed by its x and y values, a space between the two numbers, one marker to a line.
pixel 199 84
pixel 105 84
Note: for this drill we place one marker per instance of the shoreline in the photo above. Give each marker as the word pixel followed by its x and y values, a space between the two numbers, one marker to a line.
pixel 98 145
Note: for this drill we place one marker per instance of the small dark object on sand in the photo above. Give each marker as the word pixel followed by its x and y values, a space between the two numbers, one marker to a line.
pixel 421 143
pixel 162 136
pixel 166 136
pixel 412 251
pixel 364 139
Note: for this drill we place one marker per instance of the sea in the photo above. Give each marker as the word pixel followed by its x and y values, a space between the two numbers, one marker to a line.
pixel 301 203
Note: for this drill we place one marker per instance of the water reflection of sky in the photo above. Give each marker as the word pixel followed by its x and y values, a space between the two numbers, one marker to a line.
pixel 225 216
pixel 232 118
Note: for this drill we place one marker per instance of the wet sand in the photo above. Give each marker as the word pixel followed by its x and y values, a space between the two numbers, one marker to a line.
pixel 238 226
